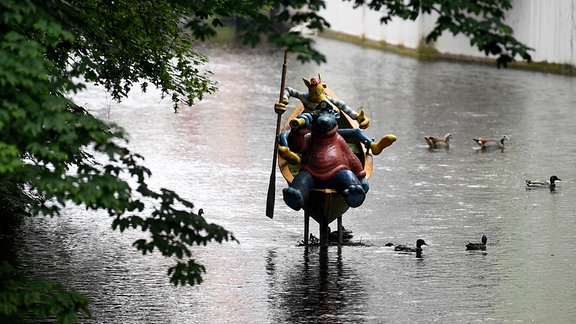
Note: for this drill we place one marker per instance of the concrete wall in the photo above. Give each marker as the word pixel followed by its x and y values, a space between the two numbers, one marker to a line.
pixel 547 26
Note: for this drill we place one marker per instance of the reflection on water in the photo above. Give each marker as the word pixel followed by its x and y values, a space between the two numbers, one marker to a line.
pixel 218 154
pixel 321 287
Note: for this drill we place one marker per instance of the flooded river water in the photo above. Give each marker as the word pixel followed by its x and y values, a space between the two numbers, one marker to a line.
pixel 219 154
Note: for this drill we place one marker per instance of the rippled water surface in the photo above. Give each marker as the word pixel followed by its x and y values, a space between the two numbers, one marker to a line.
pixel 219 154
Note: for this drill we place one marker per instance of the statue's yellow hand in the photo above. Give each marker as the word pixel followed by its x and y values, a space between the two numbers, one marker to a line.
pixel 297 123
pixel 384 142
pixel 363 120
pixel 280 108
pixel 288 155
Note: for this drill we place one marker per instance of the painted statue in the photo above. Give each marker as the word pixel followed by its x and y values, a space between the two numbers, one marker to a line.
pixel 311 99
pixel 326 159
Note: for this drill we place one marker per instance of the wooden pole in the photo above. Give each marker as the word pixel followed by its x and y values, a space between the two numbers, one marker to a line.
pixel 272 184
pixel 306 227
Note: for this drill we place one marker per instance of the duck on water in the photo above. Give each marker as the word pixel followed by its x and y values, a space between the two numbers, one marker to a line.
pixel 485 143
pixel 436 142
pixel 478 246
pixel 530 184
pixel 407 248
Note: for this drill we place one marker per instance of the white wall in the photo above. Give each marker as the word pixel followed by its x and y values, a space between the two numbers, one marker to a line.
pixel 547 26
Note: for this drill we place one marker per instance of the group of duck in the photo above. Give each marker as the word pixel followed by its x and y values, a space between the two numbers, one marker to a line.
pixel 485 143
pixel 474 246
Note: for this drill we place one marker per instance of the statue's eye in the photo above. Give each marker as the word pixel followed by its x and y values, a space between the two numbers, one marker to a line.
pixel 318 92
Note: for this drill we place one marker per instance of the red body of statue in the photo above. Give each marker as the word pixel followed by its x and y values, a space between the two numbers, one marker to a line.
pixel 325 154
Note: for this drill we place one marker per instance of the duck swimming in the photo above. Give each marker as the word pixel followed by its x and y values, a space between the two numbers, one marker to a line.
pixel 543 184
pixel 405 248
pixel 478 246
pixel 435 142
pixel 484 142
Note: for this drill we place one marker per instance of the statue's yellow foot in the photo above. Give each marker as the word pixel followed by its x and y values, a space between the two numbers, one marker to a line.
pixel 288 155
pixel 386 141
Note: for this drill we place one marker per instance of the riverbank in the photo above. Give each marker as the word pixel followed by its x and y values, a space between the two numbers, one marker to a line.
pixel 424 52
